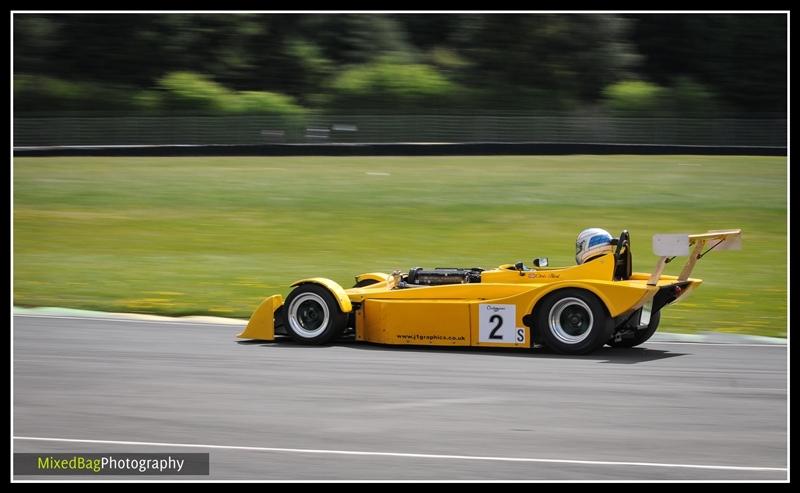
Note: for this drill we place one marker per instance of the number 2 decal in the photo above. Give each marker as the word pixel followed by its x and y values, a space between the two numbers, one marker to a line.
pixel 498 324
pixel 493 334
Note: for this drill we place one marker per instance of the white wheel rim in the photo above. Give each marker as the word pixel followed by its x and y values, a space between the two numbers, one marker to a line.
pixel 570 320
pixel 308 315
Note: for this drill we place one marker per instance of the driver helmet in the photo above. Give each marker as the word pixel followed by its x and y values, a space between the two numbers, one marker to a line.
pixel 592 243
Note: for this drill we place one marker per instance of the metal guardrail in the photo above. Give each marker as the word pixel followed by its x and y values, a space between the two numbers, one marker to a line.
pixel 252 130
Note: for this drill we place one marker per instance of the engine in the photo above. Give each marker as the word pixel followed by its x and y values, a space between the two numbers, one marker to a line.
pixel 441 276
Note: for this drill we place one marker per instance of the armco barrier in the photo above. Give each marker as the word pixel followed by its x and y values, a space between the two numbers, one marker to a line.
pixel 88 130
pixel 396 149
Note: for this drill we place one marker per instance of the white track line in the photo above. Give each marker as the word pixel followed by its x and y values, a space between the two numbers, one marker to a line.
pixel 418 456
pixel 134 320
pixel 733 344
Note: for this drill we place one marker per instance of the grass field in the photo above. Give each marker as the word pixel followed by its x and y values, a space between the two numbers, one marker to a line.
pixel 215 235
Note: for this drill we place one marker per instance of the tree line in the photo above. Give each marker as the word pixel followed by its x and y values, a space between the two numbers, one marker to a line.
pixel 290 64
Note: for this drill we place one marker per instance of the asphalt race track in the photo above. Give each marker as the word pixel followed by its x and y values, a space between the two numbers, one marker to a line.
pixel 281 411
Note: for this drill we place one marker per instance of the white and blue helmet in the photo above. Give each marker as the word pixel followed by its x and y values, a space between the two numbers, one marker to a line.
pixel 591 243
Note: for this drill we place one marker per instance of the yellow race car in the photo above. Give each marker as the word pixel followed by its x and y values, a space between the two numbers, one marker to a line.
pixel 571 310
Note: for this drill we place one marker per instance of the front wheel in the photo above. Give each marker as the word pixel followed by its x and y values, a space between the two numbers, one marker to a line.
pixel 572 321
pixel 312 315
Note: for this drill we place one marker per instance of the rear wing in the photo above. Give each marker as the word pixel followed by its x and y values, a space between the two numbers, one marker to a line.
pixel 669 246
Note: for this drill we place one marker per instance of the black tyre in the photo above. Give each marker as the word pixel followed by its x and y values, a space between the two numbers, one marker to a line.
pixel 572 321
pixel 311 315
pixel 640 335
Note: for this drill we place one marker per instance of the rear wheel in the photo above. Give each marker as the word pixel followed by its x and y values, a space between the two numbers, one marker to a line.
pixel 640 335
pixel 312 315
pixel 572 321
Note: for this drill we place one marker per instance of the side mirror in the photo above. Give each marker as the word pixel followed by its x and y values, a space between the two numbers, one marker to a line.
pixel 519 266
pixel 540 262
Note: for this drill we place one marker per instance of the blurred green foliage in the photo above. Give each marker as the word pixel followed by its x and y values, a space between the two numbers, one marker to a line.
pixel 635 98
pixel 176 92
pixel 691 97
pixel 408 86
pixel 35 93
pixel 680 64
pixel 194 92
pixel 186 90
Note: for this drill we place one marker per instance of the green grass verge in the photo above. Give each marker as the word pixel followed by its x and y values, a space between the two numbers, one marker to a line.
pixel 213 236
